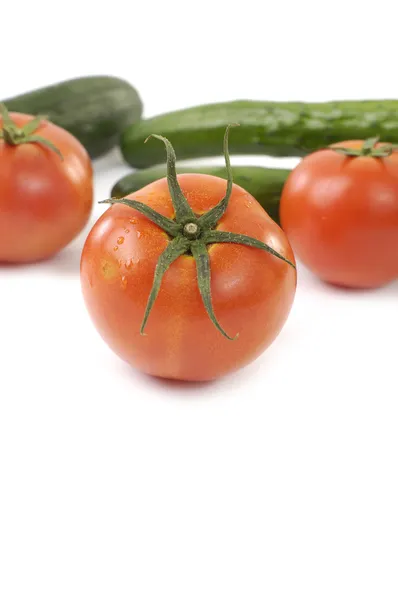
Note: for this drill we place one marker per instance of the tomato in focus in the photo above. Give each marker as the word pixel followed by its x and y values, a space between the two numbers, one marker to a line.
pixel 252 290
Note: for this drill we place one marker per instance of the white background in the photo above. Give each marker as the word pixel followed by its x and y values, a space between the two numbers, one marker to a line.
pixel 277 483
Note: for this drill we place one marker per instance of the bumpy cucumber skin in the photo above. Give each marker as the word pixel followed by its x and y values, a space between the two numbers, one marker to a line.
pixel 270 128
pixel 262 183
pixel 96 110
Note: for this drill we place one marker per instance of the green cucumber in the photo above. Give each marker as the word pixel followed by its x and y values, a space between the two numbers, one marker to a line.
pixel 94 109
pixel 270 128
pixel 262 183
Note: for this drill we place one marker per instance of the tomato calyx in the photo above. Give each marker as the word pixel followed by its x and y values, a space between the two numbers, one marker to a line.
pixel 369 148
pixel 191 233
pixel 14 135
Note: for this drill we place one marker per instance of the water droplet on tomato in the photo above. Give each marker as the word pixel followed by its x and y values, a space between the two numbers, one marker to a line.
pixel 133 221
pixel 127 230
pixel 124 282
pixel 120 240
pixel 115 248
pixel 139 234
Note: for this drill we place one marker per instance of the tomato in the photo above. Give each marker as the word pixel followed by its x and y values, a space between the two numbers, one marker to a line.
pixel 45 200
pixel 251 290
pixel 340 212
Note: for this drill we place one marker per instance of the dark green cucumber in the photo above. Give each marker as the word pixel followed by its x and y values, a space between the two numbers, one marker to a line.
pixel 271 128
pixel 94 109
pixel 262 183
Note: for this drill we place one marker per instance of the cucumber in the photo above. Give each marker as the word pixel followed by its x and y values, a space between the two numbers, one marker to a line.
pixel 94 109
pixel 262 183
pixel 271 128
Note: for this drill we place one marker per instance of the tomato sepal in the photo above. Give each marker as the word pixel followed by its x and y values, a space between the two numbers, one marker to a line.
pixel 182 209
pixel 369 148
pixel 202 259
pixel 177 247
pixel 225 237
pixel 168 225
pixel 14 135
pixel 211 218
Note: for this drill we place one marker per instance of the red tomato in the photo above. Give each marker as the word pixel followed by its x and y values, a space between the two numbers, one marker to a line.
pixel 45 201
pixel 340 214
pixel 252 290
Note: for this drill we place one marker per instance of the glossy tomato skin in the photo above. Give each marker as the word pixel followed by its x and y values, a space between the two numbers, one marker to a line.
pixel 341 216
pixel 44 201
pixel 252 290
